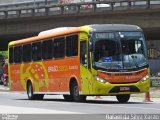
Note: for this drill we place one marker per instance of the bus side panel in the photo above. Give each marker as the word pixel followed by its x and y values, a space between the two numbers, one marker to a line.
pixel 87 80
pixel 47 76
pixel 36 73
pixel 15 82
pixel 60 72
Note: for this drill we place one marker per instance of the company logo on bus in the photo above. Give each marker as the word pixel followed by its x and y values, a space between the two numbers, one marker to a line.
pixel 62 68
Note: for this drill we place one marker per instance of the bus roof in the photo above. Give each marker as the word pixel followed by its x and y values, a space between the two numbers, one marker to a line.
pixel 46 35
pixel 52 31
pixel 69 30
pixel 114 27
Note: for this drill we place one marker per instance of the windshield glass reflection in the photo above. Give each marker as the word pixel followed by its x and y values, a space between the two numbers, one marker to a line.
pixel 124 52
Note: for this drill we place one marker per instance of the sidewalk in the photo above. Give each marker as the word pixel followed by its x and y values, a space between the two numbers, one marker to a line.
pixel 3 88
pixel 154 93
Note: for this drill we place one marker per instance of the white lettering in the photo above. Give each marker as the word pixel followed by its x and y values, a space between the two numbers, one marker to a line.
pixel 73 67
pixel 52 68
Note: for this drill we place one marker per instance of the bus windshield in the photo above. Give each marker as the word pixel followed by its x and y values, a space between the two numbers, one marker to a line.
pixel 119 50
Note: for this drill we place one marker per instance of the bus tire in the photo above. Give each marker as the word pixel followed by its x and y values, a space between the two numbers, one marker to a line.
pixel 75 93
pixel 31 95
pixel 123 98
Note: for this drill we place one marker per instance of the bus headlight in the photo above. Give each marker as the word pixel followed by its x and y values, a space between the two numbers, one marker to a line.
pixel 100 79
pixel 145 78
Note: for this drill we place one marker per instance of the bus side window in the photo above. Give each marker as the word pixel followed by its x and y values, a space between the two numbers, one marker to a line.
pixel 47 49
pixel 36 51
pixel 59 47
pixel 27 53
pixel 18 54
pixel 83 53
pixel 72 45
pixel 11 59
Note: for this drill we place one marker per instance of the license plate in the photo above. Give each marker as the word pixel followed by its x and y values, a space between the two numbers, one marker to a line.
pixel 124 88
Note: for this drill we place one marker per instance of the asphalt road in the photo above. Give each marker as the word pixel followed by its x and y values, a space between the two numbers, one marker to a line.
pixel 15 103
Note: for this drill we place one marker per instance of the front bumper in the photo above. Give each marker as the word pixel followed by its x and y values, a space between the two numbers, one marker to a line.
pixel 115 89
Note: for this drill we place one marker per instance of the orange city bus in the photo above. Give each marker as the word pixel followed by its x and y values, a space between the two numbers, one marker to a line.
pixel 76 62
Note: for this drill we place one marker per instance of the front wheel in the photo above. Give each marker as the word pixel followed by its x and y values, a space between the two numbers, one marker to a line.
pixel 75 93
pixel 123 98
pixel 31 95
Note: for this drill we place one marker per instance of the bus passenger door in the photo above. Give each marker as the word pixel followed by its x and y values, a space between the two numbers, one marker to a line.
pixel 85 73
